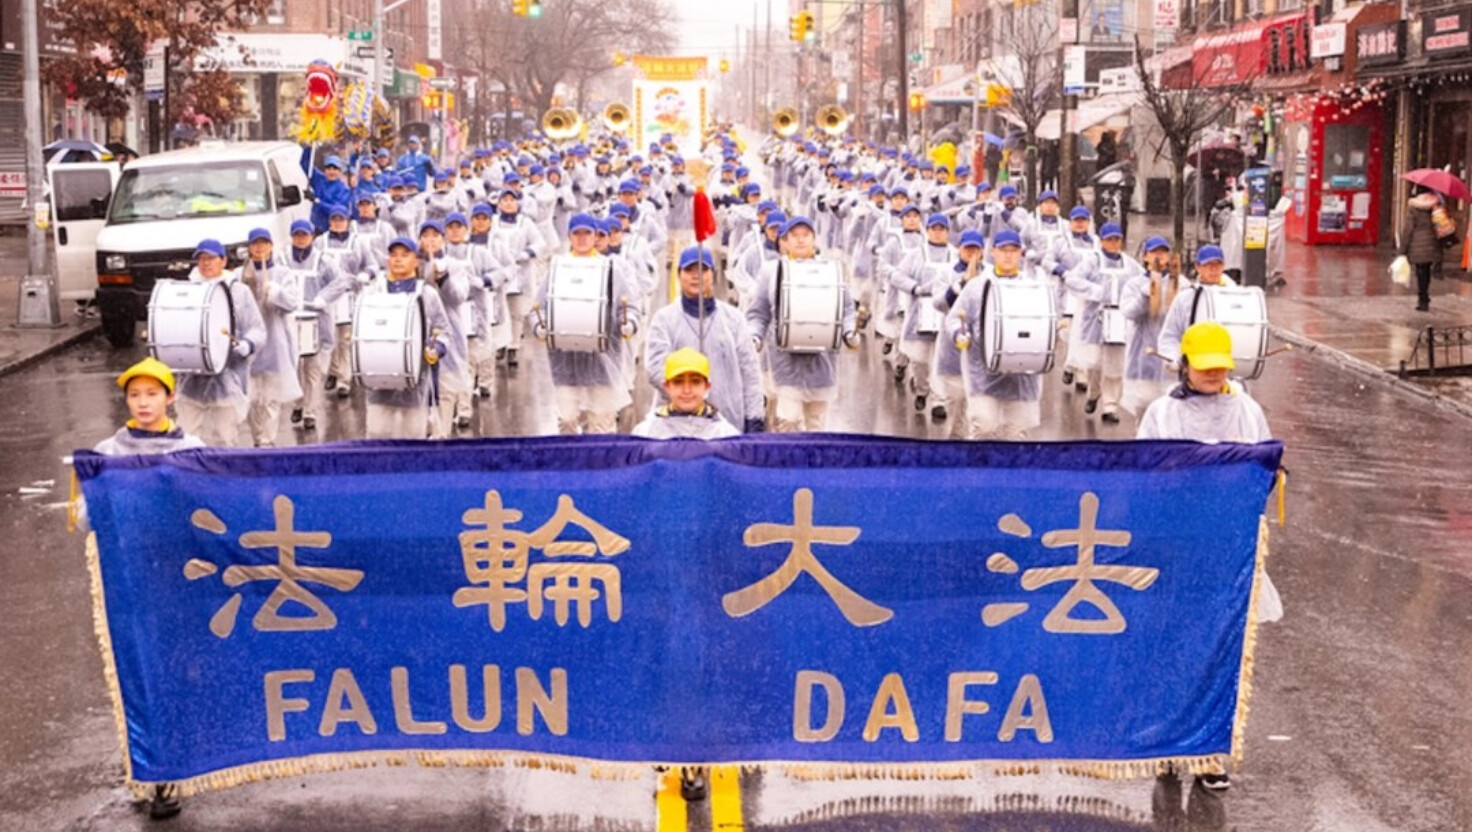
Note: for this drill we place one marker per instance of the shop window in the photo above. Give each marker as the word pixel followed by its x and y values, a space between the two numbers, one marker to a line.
pixel 1273 59
pixel 1346 156
pixel 1291 35
pixel 276 12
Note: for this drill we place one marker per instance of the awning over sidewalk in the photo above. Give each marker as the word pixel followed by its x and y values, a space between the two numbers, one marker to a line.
pixel 1091 113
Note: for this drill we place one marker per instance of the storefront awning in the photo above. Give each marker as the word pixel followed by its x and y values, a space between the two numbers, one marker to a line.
pixel 1240 55
pixel 1091 113
pixel 954 91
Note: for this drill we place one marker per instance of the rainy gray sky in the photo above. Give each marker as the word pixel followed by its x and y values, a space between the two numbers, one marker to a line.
pixel 710 26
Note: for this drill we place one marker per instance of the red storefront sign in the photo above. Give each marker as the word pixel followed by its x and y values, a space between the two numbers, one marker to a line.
pixel 1238 56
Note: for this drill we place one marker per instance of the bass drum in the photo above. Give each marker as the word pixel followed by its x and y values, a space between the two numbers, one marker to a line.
pixel 1018 321
pixel 579 306
pixel 388 340
pixel 1243 310
pixel 809 305
pixel 191 325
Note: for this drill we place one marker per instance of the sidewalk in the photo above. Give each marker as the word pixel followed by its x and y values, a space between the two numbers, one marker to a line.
pixel 22 347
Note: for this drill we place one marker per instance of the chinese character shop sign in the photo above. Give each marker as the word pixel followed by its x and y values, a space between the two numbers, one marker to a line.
pixel 842 601
pixel 1446 33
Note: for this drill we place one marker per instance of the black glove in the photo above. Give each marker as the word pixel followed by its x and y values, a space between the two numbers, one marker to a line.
pixel 757 425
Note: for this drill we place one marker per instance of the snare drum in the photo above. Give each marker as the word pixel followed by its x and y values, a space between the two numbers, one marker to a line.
pixel 928 319
pixel 1018 321
pixel 388 340
pixel 342 310
pixel 308 336
pixel 1116 330
pixel 809 305
pixel 1243 310
pixel 579 304
pixel 191 325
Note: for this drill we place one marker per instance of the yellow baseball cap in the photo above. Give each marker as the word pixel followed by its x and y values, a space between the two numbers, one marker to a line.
pixel 149 367
pixel 1208 346
pixel 686 360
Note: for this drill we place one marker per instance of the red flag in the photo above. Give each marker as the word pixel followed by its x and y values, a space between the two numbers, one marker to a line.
pixel 705 217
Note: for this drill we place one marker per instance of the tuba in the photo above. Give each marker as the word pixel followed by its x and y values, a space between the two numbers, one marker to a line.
pixel 561 124
pixel 785 122
pixel 832 120
pixel 616 118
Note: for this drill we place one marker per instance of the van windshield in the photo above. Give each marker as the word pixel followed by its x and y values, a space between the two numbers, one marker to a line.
pixel 185 191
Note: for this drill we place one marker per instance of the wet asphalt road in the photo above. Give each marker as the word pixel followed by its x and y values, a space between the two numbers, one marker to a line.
pixel 1359 718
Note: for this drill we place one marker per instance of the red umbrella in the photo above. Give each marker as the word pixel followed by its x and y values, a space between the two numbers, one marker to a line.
pixel 1442 182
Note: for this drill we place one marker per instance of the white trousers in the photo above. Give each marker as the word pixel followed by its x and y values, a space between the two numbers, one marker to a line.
pixel 217 424
pixel 455 393
pixel 264 419
pixel 309 375
pixel 1106 378
pixel 483 360
pixel 589 410
pixel 342 357
pixel 992 418
pixel 795 413
pixel 953 389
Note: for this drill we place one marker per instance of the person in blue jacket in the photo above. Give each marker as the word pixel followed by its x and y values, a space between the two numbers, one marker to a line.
pixel 328 186
pixel 416 164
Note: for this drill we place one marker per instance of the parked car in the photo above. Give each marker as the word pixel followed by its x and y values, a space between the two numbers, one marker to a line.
pixel 165 204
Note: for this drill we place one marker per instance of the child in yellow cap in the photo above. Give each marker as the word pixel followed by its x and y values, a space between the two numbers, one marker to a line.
pixel 688 415
pixel 1206 406
pixel 148 387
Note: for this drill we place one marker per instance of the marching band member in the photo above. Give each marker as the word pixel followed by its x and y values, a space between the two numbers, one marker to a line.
pixel 519 237
pixel 468 187
pixel 450 277
pixel 403 212
pixel 1010 215
pixel 1210 271
pixel 743 239
pixel 1046 233
pixel 1205 406
pixel 1146 298
pixel 916 284
pixel 635 250
pixel 361 254
pixel 979 214
pixel 404 414
pixel 415 165
pixel 321 280
pixel 329 186
pixel 488 271
pixel 443 200
pixel 212 406
pixel 680 191
pixel 891 254
pixel 748 269
pixel 805 383
pixel 273 379
pixel 1079 244
pixel 688 415
pixel 564 204
pixel 1099 280
pixel 640 223
pixel 949 376
pixel 718 331
pixel 590 387
pixel 861 221
pixel 998 405
pixel 540 204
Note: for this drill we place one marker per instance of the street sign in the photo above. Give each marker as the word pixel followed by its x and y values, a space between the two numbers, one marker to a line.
pixel 368 53
pixel 917 57
pixel 442 83
pixel 153 73
pixel 1073 70
pixel 364 34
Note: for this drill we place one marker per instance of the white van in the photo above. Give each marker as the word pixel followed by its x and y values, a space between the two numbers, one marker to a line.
pixel 166 203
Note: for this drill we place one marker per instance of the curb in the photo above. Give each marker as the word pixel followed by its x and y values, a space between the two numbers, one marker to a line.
pixel 1366 370
pixel 82 334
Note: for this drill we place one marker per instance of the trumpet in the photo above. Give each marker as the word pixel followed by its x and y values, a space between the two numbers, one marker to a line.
pixel 561 124
pixel 832 120
pixel 616 118
pixel 786 122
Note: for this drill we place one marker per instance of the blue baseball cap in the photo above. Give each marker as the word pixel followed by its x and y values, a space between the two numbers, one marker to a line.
pixel 413 139
pixel 876 190
pixel 696 254
pixel 776 218
pixel 796 222
pixel 618 209
pixel 972 237
pixel 262 234
pixel 511 179
pixel 297 227
pixel 332 162
pixel 750 188
pixel 742 171
pixel 1111 230
pixel 766 205
pixel 937 219
pixel 382 153
pixel 365 163
pixel 983 187
pixel 628 186
pixel 432 225
pixel 391 180
pixel 403 242
pixel 899 192
pixel 963 171
pixel 1007 191
pixel 338 210
pixel 1079 213
pixel 508 192
pixel 912 208
pixel 1047 195
pixel 365 196
pixel 456 216
pixel 1210 254
pixel 441 175
pixel 481 209
pixel 582 222
pixel 1156 243
pixel 214 247
pixel 538 170
pixel 1007 237
pixel 611 226
pixel 465 164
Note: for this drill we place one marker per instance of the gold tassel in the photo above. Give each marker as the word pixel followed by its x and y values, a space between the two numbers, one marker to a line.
pixel 1282 497
pixel 1249 650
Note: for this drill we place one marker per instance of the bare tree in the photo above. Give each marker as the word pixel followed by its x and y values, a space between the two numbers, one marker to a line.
pixel 1184 106
pixel 1032 71
pixel 572 43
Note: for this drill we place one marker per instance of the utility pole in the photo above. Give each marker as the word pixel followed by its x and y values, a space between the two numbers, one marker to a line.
pixel 1068 141
pixel 902 107
pixel 380 48
pixel 753 105
pixel 767 66
pixel 39 304
pixel 859 81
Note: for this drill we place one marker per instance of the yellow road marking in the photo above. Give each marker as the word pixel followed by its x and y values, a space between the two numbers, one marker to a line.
pixel 669 806
pixel 725 799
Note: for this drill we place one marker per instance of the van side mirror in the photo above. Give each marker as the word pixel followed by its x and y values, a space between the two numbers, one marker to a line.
pixel 290 195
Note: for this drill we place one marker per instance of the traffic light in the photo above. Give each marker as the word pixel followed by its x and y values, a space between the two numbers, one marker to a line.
pixel 725 65
pixel 534 8
pixel 917 101
pixel 795 28
pixel 809 34
pixel 519 7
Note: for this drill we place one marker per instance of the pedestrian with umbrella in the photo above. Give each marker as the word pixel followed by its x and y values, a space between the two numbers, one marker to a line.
pixel 1419 243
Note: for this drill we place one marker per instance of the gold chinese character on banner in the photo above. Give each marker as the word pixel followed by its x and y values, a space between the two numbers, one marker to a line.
pixel 286 572
pixel 1084 572
pixel 497 560
pixel 802 534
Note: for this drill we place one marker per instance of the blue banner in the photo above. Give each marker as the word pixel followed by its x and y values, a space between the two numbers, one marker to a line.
pixel 809 599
